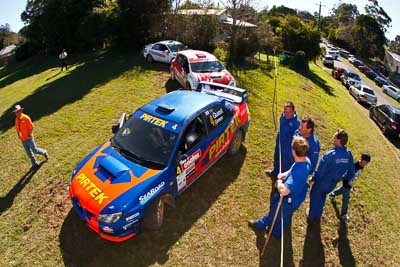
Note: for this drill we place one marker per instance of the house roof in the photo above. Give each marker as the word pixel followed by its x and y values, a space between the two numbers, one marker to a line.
pixel 229 21
pixel 210 11
pixel 394 55
pixel 7 50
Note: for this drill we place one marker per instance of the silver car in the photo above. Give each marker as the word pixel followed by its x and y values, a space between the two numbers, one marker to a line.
pixel 362 93
pixel 392 91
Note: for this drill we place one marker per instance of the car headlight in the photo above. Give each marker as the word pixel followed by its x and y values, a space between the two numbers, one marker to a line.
pixel 109 218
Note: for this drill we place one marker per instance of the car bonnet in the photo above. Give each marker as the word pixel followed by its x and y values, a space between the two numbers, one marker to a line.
pixel 106 176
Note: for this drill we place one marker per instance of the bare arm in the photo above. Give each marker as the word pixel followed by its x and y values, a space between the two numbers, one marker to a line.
pixel 282 189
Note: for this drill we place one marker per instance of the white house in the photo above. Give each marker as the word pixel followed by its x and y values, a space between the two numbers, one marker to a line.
pixel 392 61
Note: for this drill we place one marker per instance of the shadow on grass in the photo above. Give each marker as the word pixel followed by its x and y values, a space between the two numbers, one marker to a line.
pixel 97 70
pixel 343 243
pixel 313 250
pixel 20 70
pixel 395 140
pixel 7 201
pixel 318 81
pixel 80 246
pixel 272 253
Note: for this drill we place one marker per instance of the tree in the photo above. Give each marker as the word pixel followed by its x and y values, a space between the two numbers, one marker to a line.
pixel 281 11
pixel 378 14
pixel 297 35
pixel 342 22
pixel 368 37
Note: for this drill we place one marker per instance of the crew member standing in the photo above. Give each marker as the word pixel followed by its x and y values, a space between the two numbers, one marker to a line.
pixel 288 124
pixel 306 130
pixel 24 127
pixel 347 185
pixel 63 57
pixel 292 185
pixel 336 164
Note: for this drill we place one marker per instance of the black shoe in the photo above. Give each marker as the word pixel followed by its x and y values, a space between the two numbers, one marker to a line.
pixel 252 224
pixel 35 166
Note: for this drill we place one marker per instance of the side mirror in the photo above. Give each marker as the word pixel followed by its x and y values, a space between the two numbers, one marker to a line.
pixel 121 121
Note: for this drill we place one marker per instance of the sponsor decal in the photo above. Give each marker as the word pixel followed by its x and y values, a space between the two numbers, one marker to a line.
pixel 94 191
pixel 133 216
pixel 107 229
pixel 221 142
pixel 146 197
pixel 126 226
pixel 181 180
pixel 186 168
pixel 154 120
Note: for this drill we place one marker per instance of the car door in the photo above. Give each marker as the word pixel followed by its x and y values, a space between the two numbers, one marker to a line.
pixel 182 69
pixel 383 114
pixel 164 53
pixel 194 158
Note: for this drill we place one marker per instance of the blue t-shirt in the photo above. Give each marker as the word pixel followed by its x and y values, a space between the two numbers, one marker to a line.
pixel 313 150
pixel 296 181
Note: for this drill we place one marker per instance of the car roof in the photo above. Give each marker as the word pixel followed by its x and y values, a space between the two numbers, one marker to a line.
pixel 198 55
pixel 178 105
pixel 394 88
pixel 168 42
pixel 328 56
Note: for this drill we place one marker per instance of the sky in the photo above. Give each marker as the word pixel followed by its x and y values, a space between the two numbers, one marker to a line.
pixel 10 10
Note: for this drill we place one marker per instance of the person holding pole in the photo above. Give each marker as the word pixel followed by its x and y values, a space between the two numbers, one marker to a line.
pixel 288 124
pixel 292 186
pixel 336 164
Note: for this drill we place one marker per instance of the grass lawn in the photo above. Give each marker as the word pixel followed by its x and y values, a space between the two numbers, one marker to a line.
pixel 73 112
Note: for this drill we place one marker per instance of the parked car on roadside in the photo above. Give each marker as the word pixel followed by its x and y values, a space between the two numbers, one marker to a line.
pixel 333 53
pixel 344 53
pixel 328 60
pixel 358 63
pixel 193 66
pixel 371 74
pixel 387 117
pixel 349 78
pixel 381 81
pixel 362 93
pixel 351 59
pixel 363 68
pixel 163 51
pixel 337 72
pixel 392 91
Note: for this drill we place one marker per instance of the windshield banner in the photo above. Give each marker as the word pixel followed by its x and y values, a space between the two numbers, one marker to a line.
pixel 169 125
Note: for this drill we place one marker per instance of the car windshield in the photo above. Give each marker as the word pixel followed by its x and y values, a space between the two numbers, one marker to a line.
pixel 208 66
pixel 145 143
pixel 176 47
pixel 368 91
pixel 354 76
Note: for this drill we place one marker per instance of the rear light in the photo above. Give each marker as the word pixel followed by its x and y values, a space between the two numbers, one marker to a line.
pixel 393 125
pixel 365 96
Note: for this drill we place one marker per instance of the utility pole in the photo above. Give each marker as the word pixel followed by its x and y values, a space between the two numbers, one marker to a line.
pixel 319 16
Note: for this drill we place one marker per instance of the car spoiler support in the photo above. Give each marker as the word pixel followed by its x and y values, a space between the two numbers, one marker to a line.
pixel 231 93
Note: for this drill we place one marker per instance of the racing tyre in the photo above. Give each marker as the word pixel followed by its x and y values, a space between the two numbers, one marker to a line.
pixel 236 143
pixel 149 59
pixel 154 216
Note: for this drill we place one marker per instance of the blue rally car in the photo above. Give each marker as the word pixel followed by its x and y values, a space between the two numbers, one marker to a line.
pixel 158 152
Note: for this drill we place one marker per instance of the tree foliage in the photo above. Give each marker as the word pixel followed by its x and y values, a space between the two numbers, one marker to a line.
pixel 368 37
pixel 377 12
pixel 394 45
pixel 297 35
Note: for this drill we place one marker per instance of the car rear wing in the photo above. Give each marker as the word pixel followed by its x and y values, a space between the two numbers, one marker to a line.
pixel 231 93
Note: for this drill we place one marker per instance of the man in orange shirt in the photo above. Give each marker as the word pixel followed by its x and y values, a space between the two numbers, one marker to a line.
pixel 24 127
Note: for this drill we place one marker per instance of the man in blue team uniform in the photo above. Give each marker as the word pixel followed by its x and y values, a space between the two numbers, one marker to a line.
pixel 336 164
pixel 288 124
pixel 292 185
pixel 348 184
pixel 306 130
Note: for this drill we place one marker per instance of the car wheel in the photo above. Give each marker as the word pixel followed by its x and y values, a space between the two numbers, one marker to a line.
pixel 154 216
pixel 149 59
pixel 236 143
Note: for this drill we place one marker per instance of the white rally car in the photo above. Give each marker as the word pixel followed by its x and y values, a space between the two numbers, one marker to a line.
pixel 163 51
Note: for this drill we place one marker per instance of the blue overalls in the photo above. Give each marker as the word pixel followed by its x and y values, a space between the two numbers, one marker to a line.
pixel 287 127
pixel 336 164
pixel 296 181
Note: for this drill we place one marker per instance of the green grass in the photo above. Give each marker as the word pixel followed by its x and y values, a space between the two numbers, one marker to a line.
pixel 73 112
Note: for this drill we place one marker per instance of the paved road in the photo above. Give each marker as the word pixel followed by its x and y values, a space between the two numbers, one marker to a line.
pixel 382 98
